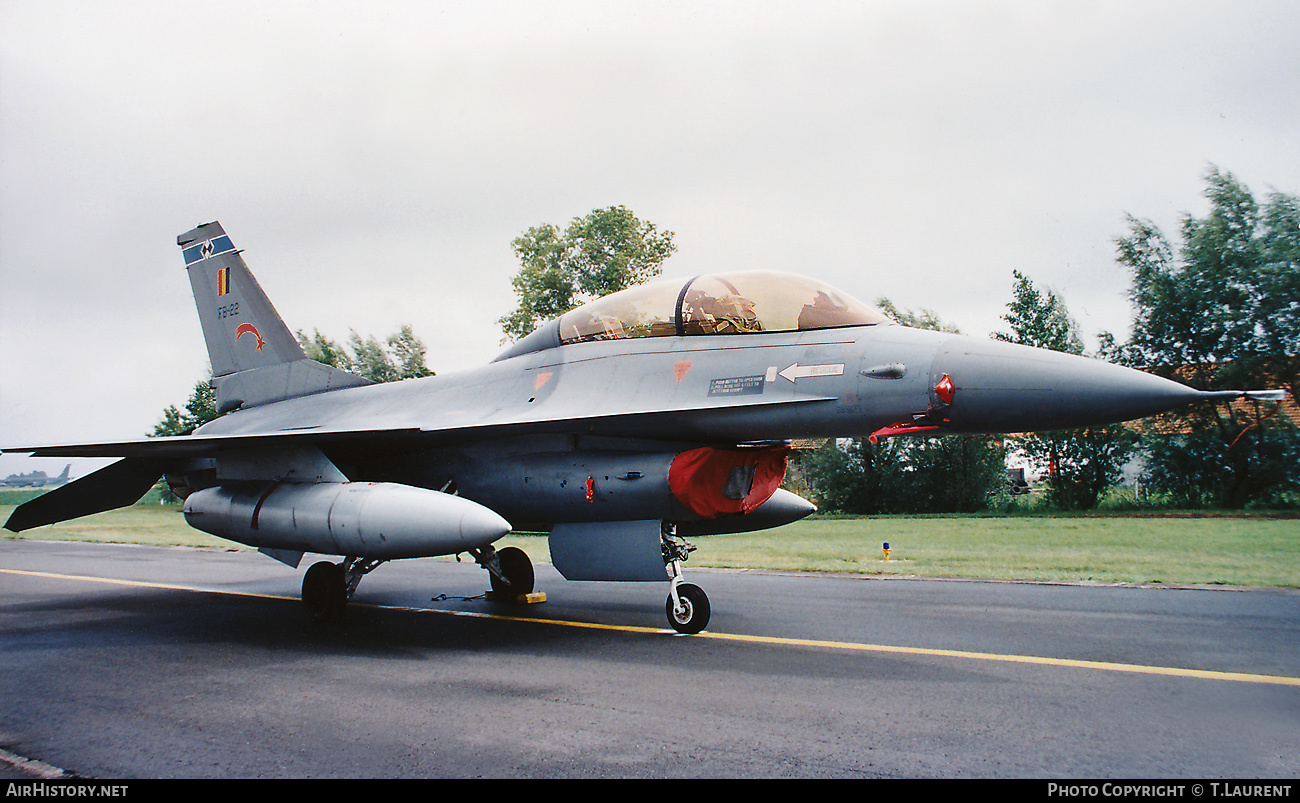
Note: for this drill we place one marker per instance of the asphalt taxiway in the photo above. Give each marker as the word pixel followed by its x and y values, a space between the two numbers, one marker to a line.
pixel 143 662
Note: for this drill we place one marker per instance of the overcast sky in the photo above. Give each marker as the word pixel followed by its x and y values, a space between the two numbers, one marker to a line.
pixel 374 160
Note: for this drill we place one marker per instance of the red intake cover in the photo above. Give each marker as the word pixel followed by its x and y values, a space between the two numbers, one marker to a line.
pixel 716 482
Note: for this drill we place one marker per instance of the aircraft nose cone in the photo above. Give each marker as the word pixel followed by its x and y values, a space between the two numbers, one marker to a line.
pixel 1003 387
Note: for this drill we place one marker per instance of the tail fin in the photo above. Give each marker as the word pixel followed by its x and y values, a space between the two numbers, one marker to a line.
pixel 255 358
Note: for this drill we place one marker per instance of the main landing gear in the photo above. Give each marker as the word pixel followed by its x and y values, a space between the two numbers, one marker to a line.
pixel 327 587
pixel 510 569
pixel 687 605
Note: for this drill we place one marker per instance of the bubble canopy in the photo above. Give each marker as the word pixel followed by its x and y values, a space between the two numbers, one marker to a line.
pixel 750 302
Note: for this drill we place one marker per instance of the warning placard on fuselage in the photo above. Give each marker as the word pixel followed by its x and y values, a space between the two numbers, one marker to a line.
pixel 737 386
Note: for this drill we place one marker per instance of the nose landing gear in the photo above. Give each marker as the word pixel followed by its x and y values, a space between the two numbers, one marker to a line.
pixel 687 605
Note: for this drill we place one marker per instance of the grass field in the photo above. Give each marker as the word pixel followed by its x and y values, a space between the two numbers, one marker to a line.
pixel 1253 550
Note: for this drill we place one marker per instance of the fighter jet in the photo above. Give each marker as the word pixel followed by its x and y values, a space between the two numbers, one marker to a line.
pixel 622 428
pixel 36 479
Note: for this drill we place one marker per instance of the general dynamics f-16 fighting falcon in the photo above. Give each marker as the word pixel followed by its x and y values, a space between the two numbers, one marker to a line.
pixel 36 479
pixel 622 427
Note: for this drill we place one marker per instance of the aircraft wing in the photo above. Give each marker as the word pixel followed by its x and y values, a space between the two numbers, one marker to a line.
pixel 674 424
pixel 113 486
pixel 192 446
pixel 146 459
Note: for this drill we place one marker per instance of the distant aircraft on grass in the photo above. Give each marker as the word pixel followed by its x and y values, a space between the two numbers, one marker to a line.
pixel 35 479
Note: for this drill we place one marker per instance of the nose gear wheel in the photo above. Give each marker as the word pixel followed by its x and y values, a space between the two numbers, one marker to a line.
pixel 689 614
pixel 687 605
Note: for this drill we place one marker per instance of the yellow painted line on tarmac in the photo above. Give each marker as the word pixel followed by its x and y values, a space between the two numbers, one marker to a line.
pixel 1243 677
pixel 1108 666
pixel 142 584
pixel 1206 674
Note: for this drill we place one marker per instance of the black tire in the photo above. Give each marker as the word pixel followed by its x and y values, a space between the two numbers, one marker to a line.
pixel 695 612
pixel 323 591
pixel 518 570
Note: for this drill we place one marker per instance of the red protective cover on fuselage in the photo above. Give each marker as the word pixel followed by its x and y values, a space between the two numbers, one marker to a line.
pixel 699 478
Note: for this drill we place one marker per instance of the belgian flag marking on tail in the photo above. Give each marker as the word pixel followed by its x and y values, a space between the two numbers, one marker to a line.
pixel 223 281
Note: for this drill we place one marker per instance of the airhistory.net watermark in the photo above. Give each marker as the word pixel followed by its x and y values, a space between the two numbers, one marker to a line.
pixel 63 789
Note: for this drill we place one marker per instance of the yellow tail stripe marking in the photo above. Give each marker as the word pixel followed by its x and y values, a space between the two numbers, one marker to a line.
pixel 1204 674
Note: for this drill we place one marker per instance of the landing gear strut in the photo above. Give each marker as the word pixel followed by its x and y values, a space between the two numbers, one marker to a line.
pixel 327 587
pixel 687 605
pixel 510 569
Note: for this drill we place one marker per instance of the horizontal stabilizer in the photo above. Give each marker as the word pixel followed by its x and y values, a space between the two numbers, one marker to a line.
pixel 274 383
pixel 114 486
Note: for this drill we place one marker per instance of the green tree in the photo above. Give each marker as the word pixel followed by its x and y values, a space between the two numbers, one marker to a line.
pixel 856 476
pixel 408 353
pixel 399 357
pixel 1081 463
pixel 950 474
pixel 606 251
pixel 199 410
pixel 1222 312
pixel 917 319
pixel 1039 319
